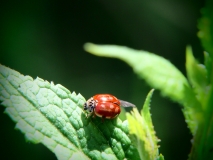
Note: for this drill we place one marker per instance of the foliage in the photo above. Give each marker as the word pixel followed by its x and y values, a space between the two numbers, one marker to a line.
pixel 141 127
pixel 52 115
pixel 163 76
pixel 196 96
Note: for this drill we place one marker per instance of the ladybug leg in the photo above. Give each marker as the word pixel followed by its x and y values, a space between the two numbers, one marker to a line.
pixel 102 119
pixel 93 115
pixel 93 112
pixel 86 115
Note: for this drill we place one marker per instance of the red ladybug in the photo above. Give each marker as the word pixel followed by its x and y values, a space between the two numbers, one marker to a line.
pixel 105 105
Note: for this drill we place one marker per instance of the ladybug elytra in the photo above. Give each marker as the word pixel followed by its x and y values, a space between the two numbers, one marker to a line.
pixel 105 105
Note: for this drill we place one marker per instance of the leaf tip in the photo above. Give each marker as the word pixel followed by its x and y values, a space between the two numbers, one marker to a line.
pixel 87 46
pixel 188 50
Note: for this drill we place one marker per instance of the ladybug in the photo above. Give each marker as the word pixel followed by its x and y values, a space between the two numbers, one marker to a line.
pixel 105 105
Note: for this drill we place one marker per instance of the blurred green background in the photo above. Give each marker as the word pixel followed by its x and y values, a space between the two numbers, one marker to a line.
pixel 45 39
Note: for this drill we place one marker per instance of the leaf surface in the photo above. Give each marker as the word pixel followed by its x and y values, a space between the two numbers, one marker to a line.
pixel 52 115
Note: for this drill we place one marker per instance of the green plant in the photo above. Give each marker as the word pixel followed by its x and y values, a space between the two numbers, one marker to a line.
pixel 52 115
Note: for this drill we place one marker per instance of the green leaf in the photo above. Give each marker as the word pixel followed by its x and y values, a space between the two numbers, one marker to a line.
pixel 202 142
pixel 205 26
pixel 140 125
pixel 208 64
pixel 160 157
pixel 52 115
pixel 147 117
pixel 197 75
pixel 159 73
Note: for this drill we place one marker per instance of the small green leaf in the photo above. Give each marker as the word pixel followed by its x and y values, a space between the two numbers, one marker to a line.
pixel 140 125
pixel 159 73
pixel 52 115
pixel 146 114
pixel 197 75
pixel 205 26
pixel 160 157
pixel 208 63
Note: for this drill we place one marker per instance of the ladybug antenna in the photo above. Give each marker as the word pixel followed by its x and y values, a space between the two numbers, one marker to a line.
pixel 126 104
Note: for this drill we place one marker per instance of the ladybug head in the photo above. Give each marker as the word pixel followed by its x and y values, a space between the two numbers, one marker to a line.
pixel 89 105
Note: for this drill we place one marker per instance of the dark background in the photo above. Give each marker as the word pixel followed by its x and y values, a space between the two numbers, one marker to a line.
pixel 45 39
